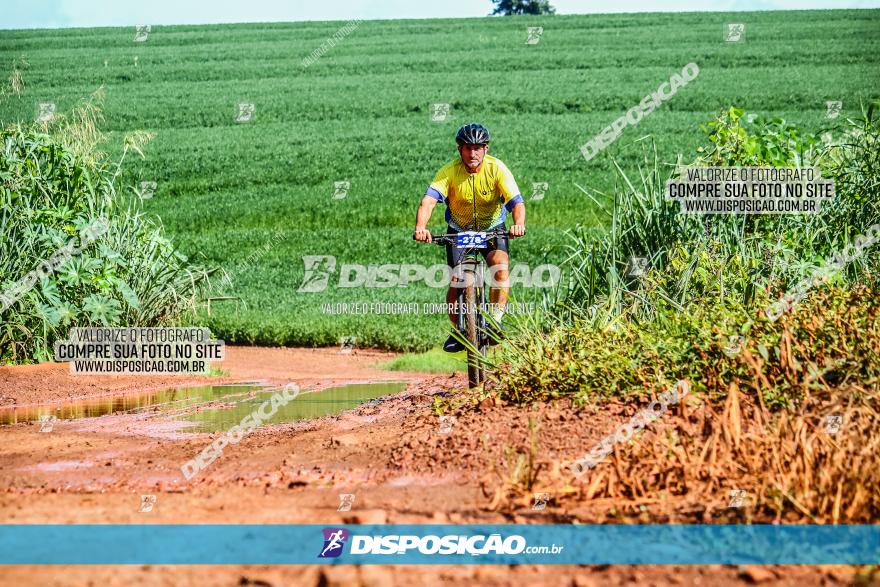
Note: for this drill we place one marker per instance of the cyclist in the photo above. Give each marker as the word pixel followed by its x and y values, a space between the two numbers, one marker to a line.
pixel 479 191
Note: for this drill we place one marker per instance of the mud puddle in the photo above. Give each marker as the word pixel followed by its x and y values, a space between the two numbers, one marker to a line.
pixel 210 407
pixel 178 397
pixel 307 406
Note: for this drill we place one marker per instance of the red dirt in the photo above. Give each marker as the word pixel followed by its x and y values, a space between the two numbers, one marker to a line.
pixel 391 454
pixel 52 382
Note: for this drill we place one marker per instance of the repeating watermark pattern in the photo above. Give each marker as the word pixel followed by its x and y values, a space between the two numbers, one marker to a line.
pixel 147 503
pixel 735 32
pixel 738 498
pixel 749 190
pixel 139 351
pixel 833 108
pixel 106 63
pixel 249 261
pixel 626 431
pixel 331 42
pixel 136 61
pixel 637 267
pixel 319 268
pixel 846 135
pixel 833 424
pixel 147 190
pixel 47 422
pixel 634 115
pixel 734 345
pixel 534 35
pixel 142 33
pixel 439 112
pixel 45 112
pixel 750 117
pixel 539 190
pixel 413 308
pixel 840 259
pixel 246 112
pixel 347 344
pixel 540 501
pixel 87 235
pixel 346 500
pixel 234 435
pixel 340 189
pixel 446 424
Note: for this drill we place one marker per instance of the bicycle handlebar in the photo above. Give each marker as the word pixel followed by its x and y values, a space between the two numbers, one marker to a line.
pixel 443 238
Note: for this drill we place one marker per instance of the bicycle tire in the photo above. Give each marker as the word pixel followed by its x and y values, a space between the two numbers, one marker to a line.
pixel 482 331
pixel 475 366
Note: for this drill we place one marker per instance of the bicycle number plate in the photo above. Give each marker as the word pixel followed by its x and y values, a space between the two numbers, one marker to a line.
pixel 471 240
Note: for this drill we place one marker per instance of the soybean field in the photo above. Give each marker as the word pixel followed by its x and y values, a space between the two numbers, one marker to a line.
pixel 330 158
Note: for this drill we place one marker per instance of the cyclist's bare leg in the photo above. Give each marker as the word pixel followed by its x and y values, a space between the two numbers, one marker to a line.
pixel 451 298
pixel 498 262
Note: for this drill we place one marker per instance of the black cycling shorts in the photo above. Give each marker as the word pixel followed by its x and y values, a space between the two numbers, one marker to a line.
pixel 454 255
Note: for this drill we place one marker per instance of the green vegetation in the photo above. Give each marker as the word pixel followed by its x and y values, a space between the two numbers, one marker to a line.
pixel 512 7
pixel 99 260
pixel 713 278
pixel 362 113
pixel 434 360
pixel 765 388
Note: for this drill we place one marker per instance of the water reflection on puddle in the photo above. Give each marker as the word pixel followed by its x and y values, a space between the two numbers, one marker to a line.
pixel 233 402
pixel 306 406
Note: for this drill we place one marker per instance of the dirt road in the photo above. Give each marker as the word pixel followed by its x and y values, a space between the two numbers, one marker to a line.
pixel 394 455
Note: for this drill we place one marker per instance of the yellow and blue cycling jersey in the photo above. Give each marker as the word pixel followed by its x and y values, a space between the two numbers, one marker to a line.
pixel 476 201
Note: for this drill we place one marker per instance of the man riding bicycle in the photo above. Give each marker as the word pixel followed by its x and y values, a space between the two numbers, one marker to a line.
pixel 479 191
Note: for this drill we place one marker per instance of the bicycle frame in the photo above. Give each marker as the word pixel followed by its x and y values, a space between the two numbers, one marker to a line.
pixel 471 297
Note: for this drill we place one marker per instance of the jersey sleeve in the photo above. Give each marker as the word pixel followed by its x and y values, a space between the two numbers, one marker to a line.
pixel 439 188
pixel 507 187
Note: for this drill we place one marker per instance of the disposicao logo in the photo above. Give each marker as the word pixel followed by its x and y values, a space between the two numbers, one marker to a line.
pixel 334 540
pixel 403 544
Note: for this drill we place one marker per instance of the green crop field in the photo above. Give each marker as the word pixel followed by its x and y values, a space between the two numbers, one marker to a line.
pixel 255 197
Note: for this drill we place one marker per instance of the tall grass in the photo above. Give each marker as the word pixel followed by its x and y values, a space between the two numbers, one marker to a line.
pixel 760 251
pixel 709 277
pixel 56 181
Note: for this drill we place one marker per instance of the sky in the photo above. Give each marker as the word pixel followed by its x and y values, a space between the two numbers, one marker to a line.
pixel 16 14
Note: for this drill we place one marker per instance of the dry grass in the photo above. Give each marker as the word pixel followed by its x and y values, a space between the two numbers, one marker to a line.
pixel 790 466
pixel 79 129
pixel 15 85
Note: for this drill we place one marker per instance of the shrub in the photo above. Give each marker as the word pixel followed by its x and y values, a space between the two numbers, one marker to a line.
pixel 56 183
pixel 609 332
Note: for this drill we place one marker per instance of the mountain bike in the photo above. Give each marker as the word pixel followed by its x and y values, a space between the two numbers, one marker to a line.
pixel 471 297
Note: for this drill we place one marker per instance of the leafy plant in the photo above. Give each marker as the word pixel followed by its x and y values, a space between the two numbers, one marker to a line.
pixel 56 182
pixel 763 142
pixel 614 333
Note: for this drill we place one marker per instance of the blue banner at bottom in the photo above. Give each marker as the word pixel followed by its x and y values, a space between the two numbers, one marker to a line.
pixel 438 544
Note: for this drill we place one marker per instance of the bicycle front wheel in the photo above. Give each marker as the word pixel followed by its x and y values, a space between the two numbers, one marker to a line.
pixel 475 365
